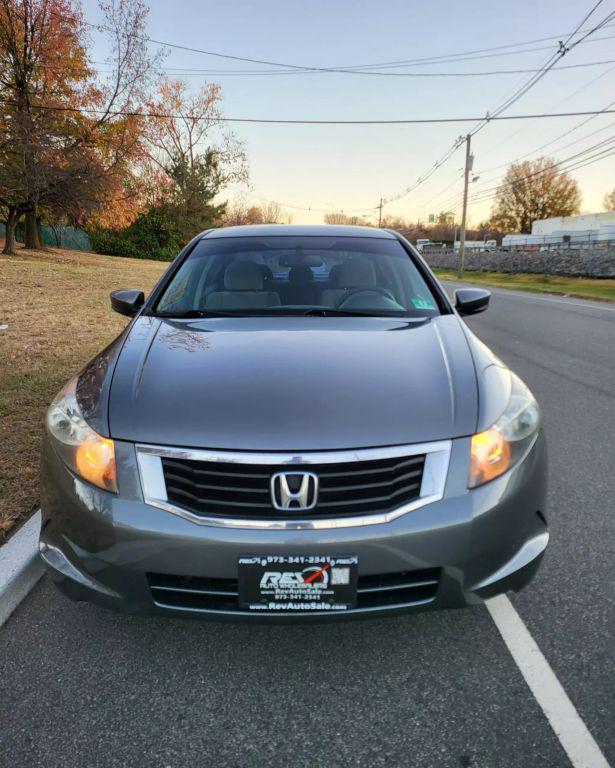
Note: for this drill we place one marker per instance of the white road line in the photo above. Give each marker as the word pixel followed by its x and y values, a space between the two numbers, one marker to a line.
pixel 571 731
pixel 521 295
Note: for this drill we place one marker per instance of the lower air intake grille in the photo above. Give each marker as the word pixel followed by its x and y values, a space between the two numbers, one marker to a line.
pixel 195 593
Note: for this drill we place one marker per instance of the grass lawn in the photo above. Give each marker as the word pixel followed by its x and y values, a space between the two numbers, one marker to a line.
pixel 581 287
pixel 56 304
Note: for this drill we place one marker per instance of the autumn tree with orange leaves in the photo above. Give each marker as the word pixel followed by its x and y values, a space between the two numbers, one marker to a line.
pixel 66 148
pixel 531 190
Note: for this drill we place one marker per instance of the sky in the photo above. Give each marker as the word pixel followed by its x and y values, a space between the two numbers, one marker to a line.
pixel 351 167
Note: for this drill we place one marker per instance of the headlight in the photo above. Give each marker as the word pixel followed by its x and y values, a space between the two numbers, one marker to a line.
pixel 500 447
pixel 87 453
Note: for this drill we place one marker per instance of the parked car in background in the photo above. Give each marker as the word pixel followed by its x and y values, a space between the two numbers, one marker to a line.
pixel 259 444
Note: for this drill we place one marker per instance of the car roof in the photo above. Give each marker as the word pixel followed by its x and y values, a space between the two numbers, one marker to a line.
pixel 298 230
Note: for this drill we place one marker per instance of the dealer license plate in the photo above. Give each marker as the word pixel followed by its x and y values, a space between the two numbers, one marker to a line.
pixel 287 583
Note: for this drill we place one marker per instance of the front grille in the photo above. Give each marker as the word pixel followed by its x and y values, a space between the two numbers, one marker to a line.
pixel 225 489
pixel 195 593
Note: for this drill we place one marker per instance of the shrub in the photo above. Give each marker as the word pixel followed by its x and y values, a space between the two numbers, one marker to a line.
pixel 150 236
pixel 111 244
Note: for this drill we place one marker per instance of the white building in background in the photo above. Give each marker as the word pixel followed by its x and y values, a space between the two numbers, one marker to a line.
pixel 588 222
pixel 573 231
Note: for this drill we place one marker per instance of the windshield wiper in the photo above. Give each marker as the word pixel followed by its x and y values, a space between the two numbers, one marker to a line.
pixel 330 312
pixel 196 313
pixel 281 312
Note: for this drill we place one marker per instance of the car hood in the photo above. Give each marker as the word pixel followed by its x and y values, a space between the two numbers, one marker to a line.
pixel 293 383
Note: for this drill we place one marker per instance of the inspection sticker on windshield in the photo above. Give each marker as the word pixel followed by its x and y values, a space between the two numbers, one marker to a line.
pixel 420 302
pixel 287 583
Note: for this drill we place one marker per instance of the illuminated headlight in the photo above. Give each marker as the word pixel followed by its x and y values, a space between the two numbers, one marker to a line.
pixel 85 452
pixel 500 447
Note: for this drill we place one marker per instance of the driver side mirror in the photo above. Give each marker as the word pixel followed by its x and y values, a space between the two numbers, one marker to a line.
pixel 471 301
pixel 127 302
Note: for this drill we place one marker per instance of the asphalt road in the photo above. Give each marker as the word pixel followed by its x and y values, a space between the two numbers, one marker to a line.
pixel 83 687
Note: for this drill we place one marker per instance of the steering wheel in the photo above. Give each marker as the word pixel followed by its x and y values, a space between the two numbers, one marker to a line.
pixel 357 291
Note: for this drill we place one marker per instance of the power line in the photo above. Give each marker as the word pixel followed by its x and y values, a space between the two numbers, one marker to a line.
pixel 458 58
pixel 586 17
pixel 422 179
pixel 558 138
pixel 456 197
pixel 191 72
pixel 476 198
pixel 454 203
pixel 492 192
pixel 473 55
pixel 555 106
pixel 555 140
pixel 603 155
pixel 602 146
pixel 285 121
pixel 484 73
pixel 483 121
pixel 518 93
pixel 485 194
pixel 341 69
pixel 424 206
pixel 564 48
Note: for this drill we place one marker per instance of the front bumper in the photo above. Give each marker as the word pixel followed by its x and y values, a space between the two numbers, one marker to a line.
pixel 102 548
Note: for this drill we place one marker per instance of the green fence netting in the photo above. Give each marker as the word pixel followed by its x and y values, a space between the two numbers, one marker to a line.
pixel 59 237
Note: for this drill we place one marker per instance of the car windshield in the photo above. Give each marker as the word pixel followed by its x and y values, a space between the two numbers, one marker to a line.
pixel 297 275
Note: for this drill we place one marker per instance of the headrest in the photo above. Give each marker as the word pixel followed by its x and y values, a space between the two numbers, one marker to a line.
pixel 300 274
pixel 243 276
pixel 265 272
pixel 334 274
pixel 357 273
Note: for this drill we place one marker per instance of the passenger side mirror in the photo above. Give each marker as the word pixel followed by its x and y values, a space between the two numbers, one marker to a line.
pixel 127 302
pixel 471 301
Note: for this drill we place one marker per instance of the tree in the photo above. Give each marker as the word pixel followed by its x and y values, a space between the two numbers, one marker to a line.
pixel 271 213
pixel 342 218
pixel 533 190
pixel 609 201
pixel 37 37
pixel 239 212
pixel 190 157
pixel 394 222
pixel 57 157
pixel 446 217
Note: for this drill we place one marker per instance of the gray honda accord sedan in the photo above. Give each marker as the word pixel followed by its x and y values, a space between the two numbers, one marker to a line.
pixel 295 425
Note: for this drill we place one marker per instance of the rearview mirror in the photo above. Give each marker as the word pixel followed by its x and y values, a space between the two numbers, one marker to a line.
pixel 127 302
pixel 300 259
pixel 471 301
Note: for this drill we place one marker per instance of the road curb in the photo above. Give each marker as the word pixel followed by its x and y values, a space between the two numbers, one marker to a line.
pixel 20 566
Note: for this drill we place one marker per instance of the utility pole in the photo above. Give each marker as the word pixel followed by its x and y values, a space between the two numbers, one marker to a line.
pixel 380 213
pixel 462 234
